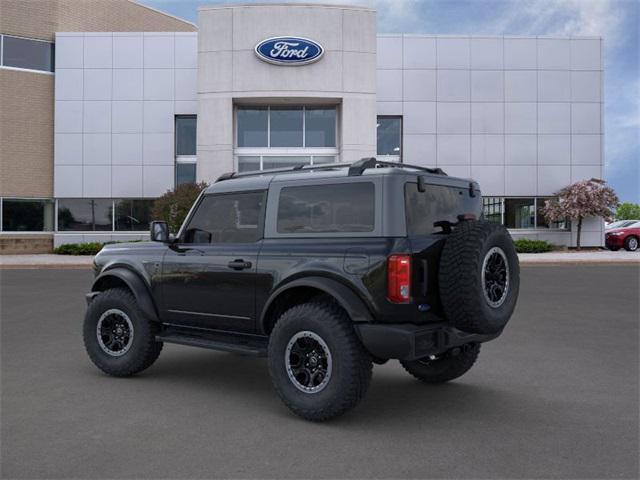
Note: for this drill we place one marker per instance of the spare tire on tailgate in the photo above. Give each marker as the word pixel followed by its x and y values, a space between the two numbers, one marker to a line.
pixel 479 277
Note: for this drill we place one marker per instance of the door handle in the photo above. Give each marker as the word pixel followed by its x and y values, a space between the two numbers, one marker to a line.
pixel 239 264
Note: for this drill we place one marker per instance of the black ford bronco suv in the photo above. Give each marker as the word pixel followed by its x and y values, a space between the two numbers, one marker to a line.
pixel 324 270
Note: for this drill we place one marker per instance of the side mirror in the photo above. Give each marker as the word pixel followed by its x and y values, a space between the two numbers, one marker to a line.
pixel 159 231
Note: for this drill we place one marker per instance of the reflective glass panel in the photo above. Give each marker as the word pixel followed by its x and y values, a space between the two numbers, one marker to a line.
pixel 492 209
pixel 283 162
pixel 389 132
pixel 327 208
pixel 228 218
pixel 519 213
pixel 252 126
pixel 286 126
pixel 185 173
pixel 186 135
pixel 248 164
pixel 133 214
pixel 26 53
pixel 320 127
pixel 22 215
pixel 84 214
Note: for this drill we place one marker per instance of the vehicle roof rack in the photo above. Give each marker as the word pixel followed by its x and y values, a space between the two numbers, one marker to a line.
pixel 272 171
pixel 355 169
pixel 360 166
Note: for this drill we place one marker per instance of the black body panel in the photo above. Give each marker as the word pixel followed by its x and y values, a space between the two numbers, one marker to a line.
pixel 216 294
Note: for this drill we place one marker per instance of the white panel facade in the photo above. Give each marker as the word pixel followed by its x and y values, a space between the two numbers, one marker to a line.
pixel 117 95
pixel 522 115
pixel 231 74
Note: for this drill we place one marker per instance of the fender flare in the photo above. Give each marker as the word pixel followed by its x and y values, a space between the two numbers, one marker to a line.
pixel 345 296
pixel 137 286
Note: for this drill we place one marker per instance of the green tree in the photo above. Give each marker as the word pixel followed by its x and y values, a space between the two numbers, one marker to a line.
pixel 173 206
pixel 628 211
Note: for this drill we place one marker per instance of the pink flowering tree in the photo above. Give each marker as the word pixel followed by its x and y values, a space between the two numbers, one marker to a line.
pixel 586 198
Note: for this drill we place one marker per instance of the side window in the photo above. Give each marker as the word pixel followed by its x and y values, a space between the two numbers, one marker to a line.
pixel 228 218
pixel 327 208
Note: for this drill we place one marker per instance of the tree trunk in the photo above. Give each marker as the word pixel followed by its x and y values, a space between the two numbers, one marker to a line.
pixel 579 231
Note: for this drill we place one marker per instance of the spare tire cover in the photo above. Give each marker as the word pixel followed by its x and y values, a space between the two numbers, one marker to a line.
pixel 479 277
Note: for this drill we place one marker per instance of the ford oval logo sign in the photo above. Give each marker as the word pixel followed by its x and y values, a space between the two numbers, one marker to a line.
pixel 289 51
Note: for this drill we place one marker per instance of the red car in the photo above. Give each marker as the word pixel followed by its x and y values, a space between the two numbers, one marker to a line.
pixel 627 237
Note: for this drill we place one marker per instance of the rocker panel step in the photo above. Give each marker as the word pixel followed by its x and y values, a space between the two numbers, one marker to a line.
pixel 254 345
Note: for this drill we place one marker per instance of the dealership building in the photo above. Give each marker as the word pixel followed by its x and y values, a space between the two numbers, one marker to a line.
pixel 107 105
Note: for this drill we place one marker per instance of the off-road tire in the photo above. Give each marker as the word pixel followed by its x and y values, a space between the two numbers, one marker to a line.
pixel 461 277
pixel 445 368
pixel 351 364
pixel 630 245
pixel 144 349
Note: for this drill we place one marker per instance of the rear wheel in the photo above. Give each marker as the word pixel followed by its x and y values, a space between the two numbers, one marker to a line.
pixel 631 243
pixel 448 366
pixel 317 364
pixel 119 339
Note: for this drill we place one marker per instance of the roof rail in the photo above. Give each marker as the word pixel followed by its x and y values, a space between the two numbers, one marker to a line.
pixel 360 166
pixel 356 168
pixel 272 171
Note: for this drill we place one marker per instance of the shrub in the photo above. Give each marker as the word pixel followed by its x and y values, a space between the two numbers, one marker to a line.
pixel 524 245
pixel 173 206
pixel 89 248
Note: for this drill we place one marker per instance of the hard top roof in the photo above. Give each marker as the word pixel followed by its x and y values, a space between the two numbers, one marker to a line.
pixel 260 180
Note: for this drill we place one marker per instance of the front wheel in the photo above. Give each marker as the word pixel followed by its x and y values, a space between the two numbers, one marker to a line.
pixel 318 366
pixel 631 244
pixel 119 339
pixel 448 366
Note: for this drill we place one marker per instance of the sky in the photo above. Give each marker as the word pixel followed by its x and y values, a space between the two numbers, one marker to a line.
pixel 617 21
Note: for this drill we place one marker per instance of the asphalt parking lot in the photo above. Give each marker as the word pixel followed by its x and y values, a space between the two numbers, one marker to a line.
pixel 555 397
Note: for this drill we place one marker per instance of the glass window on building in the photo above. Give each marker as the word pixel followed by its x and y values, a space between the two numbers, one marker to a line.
pixel 253 126
pixel 85 215
pixel 185 172
pixel 282 136
pixel 320 127
pixel 27 215
pixel 26 53
pixel 248 163
pixel 284 162
pixel 389 133
pixel 186 141
pixel 542 222
pixel 519 212
pixel 133 215
pixel 286 127
pixel 492 209
pixel 327 208
pixel 186 135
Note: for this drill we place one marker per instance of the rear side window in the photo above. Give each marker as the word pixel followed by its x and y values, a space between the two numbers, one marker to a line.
pixel 437 203
pixel 343 207
pixel 233 218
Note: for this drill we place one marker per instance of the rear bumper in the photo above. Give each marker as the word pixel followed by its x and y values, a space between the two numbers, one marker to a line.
pixel 411 342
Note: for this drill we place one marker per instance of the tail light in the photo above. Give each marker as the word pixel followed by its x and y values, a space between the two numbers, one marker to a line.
pixel 399 278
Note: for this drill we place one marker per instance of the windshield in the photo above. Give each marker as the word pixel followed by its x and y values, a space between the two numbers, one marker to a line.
pixel 622 224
